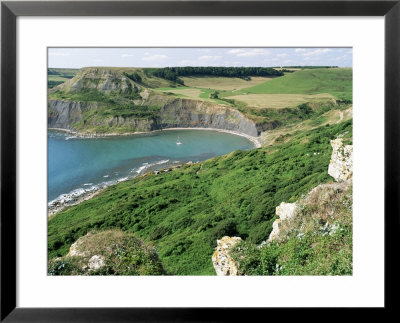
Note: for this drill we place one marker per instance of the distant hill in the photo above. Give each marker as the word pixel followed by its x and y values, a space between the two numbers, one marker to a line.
pixel 57 76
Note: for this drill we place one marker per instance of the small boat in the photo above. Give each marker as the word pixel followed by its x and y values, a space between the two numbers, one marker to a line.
pixel 178 142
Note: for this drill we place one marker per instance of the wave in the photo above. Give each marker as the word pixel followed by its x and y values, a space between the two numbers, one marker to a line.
pixel 77 194
pixel 147 165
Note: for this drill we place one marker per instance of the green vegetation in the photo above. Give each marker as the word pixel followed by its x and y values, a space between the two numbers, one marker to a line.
pixel 84 95
pixel 290 115
pixel 184 211
pixel 214 95
pixel 335 81
pixel 57 76
pixel 134 77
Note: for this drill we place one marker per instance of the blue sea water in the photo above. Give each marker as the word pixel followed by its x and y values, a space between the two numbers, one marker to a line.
pixel 77 165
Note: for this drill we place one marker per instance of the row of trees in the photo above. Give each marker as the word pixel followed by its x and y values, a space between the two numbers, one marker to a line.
pixel 173 73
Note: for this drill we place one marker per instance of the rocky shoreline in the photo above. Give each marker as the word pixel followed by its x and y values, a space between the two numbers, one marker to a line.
pixel 254 140
pixel 58 205
pixel 78 196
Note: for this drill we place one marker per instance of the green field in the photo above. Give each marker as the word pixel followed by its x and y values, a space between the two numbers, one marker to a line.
pixel 278 101
pixel 184 211
pixel 335 81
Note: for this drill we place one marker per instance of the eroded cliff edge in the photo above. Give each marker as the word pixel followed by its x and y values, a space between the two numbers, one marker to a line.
pixel 177 113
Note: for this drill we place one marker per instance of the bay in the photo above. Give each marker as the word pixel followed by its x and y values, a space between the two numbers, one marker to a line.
pixel 78 165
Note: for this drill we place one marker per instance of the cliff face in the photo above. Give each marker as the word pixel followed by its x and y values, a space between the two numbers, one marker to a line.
pixel 62 114
pixel 176 113
pixel 190 113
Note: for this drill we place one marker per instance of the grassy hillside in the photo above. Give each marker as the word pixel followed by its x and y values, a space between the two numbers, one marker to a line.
pixel 334 81
pixel 184 211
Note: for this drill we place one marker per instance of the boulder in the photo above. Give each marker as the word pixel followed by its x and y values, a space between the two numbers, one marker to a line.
pixel 96 262
pixel 75 250
pixel 286 211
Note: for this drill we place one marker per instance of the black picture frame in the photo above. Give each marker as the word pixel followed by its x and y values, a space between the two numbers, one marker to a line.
pixel 10 10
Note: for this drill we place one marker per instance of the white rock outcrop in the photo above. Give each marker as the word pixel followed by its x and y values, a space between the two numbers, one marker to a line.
pixel 96 262
pixel 341 164
pixel 74 250
pixel 224 264
pixel 285 211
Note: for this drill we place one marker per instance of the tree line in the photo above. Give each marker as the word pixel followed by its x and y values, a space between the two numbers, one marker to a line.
pixel 173 73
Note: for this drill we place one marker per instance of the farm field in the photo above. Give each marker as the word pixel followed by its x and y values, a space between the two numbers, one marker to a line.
pixel 302 86
pixel 191 93
pixel 223 83
pixel 335 81
pixel 278 101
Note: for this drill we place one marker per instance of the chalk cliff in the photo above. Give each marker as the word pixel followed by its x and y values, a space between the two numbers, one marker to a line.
pixel 182 113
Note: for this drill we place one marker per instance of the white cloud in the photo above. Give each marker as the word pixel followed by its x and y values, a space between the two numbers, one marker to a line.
pixel 235 51
pixel 127 55
pixel 97 60
pixel 208 58
pixel 248 52
pixel 282 55
pixel 299 50
pixel 343 57
pixel 317 51
pixel 187 62
pixel 156 57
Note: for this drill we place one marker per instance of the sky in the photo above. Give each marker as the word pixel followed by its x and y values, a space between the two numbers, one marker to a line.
pixel 201 56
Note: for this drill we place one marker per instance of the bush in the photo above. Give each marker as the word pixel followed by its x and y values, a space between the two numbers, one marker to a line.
pixel 227 227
